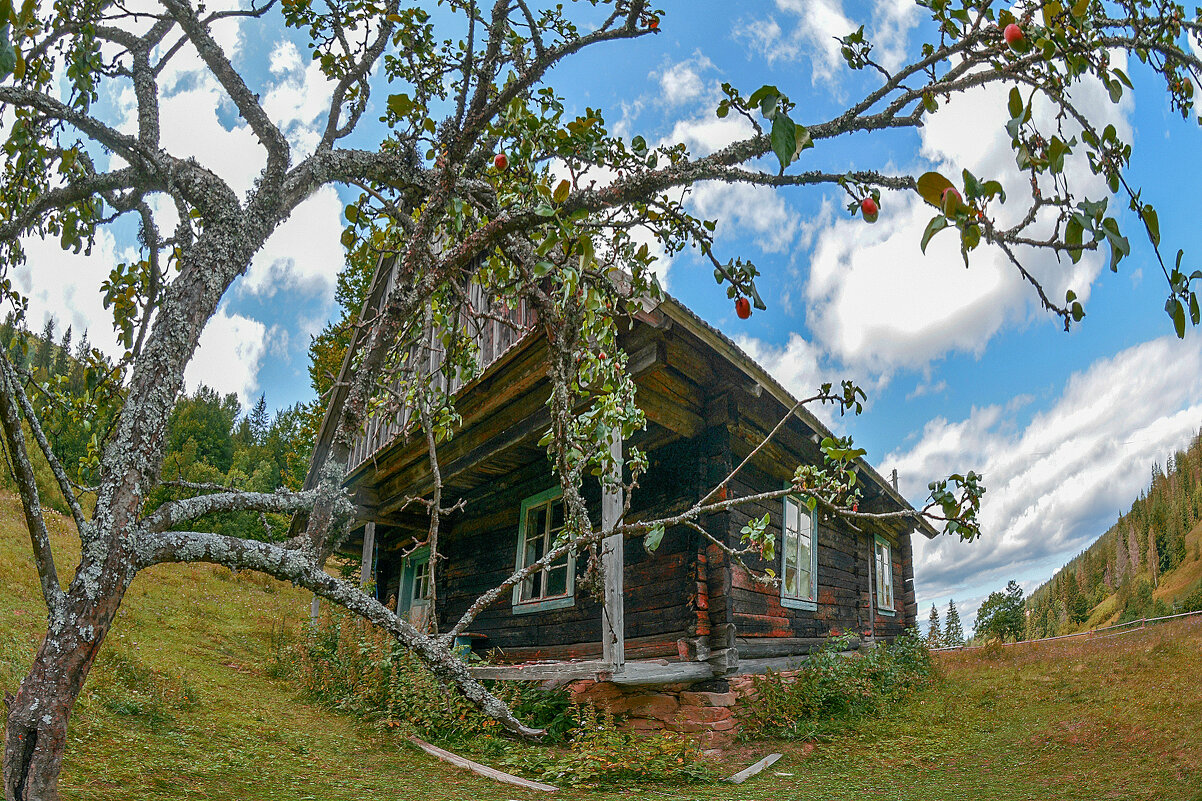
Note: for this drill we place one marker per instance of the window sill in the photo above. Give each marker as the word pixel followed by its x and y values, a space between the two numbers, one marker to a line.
pixel 799 603
pixel 527 607
pixel 888 612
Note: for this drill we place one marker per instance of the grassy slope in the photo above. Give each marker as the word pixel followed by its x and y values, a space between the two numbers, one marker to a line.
pixel 1175 584
pixel 180 706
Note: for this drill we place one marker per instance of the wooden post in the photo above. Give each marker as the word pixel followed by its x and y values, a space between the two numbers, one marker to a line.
pixel 613 560
pixel 369 550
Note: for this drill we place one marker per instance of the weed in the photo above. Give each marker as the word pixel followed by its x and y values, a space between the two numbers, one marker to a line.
pixel 832 686
pixel 602 754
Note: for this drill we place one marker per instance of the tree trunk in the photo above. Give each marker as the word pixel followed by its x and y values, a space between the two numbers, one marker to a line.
pixel 35 736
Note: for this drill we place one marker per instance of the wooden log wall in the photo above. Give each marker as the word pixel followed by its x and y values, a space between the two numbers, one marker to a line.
pixel 844 554
pixel 661 589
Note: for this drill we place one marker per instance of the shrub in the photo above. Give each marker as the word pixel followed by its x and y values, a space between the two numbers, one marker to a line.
pixel 600 753
pixel 832 686
pixel 346 664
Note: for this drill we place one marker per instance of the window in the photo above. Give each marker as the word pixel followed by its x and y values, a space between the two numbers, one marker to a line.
pixel 884 576
pixel 421 582
pixel 413 587
pixel 799 558
pixel 552 587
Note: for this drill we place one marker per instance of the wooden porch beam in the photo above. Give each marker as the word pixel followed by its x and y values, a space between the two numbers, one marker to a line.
pixel 613 563
pixel 369 551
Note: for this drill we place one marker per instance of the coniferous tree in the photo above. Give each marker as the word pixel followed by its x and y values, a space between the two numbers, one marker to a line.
pixel 259 419
pixel 1153 557
pixel 45 347
pixel 62 357
pixel 934 635
pixel 953 633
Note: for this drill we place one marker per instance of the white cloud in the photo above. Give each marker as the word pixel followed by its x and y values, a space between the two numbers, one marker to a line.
pixel 1056 484
pixel 706 133
pixel 877 301
pixel 813 28
pixel 304 253
pixel 299 99
pixel 682 82
pixel 742 209
pixel 231 348
pixel 67 286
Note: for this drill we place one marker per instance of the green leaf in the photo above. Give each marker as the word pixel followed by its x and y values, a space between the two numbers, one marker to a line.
pixel 1015 104
pixel 1051 10
pixel 1177 312
pixel 937 224
pixel 653 538
pixel 1072 238
pixel 8 56
pixel 1194 315
pixel 400 105
pixel 545 211
pixel 804 142
pixel 561 191
pixel 784 139
pixel 1116 91
pixel 767 98
pixel 1153 224
pixel 931 186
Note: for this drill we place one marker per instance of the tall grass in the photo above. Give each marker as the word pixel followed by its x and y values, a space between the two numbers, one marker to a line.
pixel 832 687
pixel 344 663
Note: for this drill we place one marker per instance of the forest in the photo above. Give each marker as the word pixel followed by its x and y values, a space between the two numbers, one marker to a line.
pixel 1125 574
pixel 212 441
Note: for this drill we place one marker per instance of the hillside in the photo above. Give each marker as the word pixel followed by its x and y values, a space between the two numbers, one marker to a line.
pixel 183 704
pixel 1148 564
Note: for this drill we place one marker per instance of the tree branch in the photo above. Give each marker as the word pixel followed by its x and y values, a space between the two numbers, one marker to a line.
pixel 296 567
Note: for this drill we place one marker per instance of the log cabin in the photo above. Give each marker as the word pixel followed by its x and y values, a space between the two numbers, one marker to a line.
pixel 682 615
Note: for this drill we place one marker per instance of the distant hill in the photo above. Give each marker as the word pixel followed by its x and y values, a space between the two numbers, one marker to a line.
pixel 1149 563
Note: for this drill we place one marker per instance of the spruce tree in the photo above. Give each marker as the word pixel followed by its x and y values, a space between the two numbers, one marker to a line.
pixel 63 356
pixel 45 346
pixel 953 634
pixel 934 635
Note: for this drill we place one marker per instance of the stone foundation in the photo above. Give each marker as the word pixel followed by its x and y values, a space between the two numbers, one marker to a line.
pixel 708 710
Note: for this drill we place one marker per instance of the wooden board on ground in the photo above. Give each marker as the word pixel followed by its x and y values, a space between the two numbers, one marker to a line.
pixel 476 767
pixel 747 773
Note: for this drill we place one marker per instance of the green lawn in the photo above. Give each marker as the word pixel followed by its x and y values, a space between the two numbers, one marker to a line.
pixel 181 706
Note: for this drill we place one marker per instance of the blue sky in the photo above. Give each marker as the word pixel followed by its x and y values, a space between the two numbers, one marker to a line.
pixel 963 371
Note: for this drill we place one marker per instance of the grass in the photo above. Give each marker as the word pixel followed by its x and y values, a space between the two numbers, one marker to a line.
pixel 181 705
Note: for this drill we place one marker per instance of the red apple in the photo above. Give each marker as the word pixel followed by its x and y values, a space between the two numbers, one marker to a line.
pixel 653 24
pixel 1014 36
pixel 743 308
pixel 500 161
pixel 601 355
pixel 870 209
pixel 951 201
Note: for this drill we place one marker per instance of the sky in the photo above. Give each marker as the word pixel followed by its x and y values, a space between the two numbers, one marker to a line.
pixel 962 369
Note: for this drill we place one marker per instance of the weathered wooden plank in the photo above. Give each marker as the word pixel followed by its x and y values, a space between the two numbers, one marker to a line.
pixel 482 770
pixel 613 562
pixel 748 772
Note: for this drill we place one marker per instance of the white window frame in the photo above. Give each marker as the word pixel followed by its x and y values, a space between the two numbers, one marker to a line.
pixel 882 559
pixel 804 512
pixel 568 599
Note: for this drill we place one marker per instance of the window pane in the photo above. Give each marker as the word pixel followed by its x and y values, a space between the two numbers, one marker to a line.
pixel 556 516
pixel 805 588
pixel 791 514
pixel 792 580
pixel 557 580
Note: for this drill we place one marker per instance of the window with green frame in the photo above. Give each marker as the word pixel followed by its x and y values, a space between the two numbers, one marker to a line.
pixel 554 586
pixel 799 556
pixel 884 575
